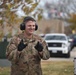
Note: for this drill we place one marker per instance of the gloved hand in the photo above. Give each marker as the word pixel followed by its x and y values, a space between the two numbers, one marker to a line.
pixel 39 47
pixel 21 45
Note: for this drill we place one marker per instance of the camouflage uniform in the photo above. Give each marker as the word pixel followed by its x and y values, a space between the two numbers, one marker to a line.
pixel 28 61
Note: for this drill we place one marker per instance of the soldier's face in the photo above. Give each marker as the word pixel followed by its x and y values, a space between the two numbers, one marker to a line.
pixel 30 27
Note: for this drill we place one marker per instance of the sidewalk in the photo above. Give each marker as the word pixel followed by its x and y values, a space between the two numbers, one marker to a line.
pixel 4 63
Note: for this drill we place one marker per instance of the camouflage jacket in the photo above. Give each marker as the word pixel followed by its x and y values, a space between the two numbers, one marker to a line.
pixel 27 62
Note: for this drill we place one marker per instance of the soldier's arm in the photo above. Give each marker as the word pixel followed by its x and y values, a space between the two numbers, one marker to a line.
pixel 45 53
pixel 11 52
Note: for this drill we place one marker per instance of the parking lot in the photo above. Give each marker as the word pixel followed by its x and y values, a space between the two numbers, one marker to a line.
pixel 73 53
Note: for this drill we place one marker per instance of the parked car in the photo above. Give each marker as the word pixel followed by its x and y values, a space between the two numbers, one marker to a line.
pixel 58 44
pixel 72 40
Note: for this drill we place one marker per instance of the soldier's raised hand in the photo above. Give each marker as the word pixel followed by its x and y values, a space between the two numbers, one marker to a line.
pixel 21 45
pixel 39 47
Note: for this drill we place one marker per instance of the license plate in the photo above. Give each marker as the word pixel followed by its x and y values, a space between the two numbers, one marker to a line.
pixel 54 51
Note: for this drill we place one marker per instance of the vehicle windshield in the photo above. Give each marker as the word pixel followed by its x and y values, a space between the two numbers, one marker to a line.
pixel 72 36
pixel 55 37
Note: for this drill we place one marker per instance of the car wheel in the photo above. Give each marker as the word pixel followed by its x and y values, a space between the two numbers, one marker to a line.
pixel 72 48
pixel 67 55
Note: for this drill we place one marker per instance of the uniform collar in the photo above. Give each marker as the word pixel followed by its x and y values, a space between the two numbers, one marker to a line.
pixel 32 39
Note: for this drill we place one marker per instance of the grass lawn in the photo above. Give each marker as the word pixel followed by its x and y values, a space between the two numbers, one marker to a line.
pixel 49 68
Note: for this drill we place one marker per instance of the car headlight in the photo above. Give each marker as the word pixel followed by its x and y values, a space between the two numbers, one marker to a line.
pixel 64 45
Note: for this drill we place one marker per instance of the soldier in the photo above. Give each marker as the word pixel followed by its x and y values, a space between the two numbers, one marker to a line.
pixel 26 50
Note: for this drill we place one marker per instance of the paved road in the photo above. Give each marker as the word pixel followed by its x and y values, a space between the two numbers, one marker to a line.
pixel 5 62
pixel 73 53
